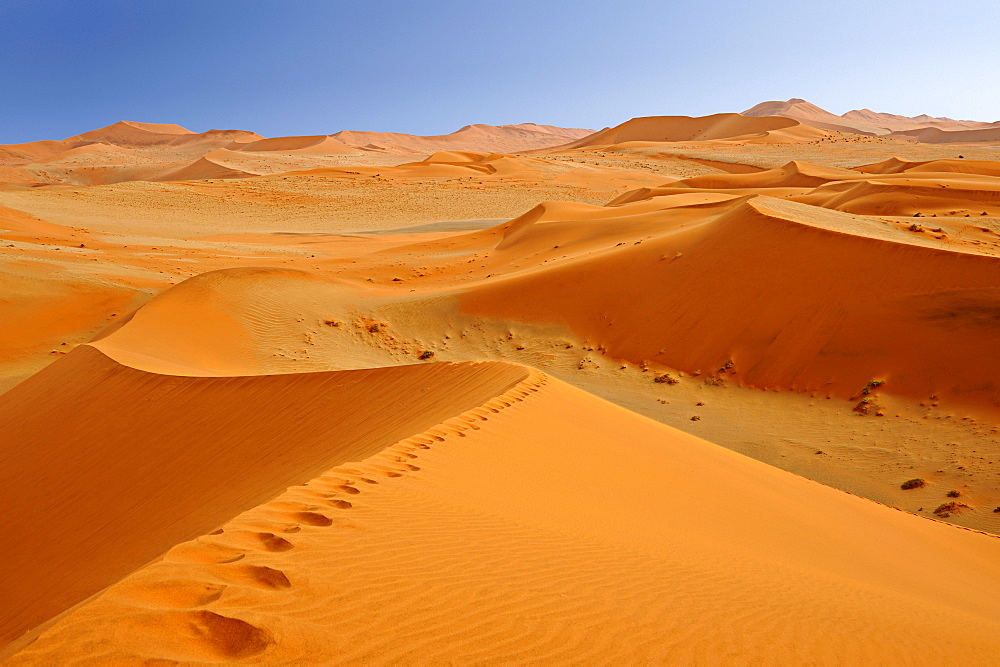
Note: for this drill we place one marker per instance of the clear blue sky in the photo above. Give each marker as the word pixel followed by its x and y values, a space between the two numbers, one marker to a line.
pixel 426 67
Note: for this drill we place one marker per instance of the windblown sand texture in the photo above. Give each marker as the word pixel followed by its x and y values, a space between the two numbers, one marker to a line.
pixel 514 394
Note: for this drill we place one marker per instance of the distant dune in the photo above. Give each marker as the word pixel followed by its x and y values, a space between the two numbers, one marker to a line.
pixel 314 144
pixel 686 128
pixel 864 121
pixel 935 135
pixel 127 151
pixel 489 138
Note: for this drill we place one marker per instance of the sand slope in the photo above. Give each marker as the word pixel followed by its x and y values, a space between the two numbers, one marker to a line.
pixel 146 460
pixel 548 526
pixel 763 283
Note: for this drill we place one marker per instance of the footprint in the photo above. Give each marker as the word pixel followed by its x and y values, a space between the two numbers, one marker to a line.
pixel 316 519
pixel 262 576
pixel 197 636
pixel 348 489
pixel 272 542
pixel 339 504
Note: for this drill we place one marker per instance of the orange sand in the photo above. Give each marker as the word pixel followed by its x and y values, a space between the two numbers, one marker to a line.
pixel 308 400
pixel 544 525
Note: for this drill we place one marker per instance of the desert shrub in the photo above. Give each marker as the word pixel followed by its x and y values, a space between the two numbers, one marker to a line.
pixel 914 483
pixel 426 354
pixel 954 494
pixel 666 378
pixel 872 384
pixel 947 508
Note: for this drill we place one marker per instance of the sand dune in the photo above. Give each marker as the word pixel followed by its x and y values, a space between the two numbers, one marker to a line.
pixel 682 128
pixel 895 166
pixel 127 133
pixel 128 151
pixel 96 153
pixel 618 539
pixel 901 188
pixel 795 174
pixel 30 152
pixel 864 121
pixel 912 193
pixel 314 144
pixel 761 284
pixel 935 135
pixel 479 137
pixel 806 112
pixel 20 225
pixel 202 168
pixel 151 460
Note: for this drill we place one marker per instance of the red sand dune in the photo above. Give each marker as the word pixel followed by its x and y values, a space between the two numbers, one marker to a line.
pixel 480 137
pixel 128 133
pixel 895 165
pixel 891 187
pixel 321 144
pixel 687 128
pixel 935 135
pixel 863 121
pixel 200 169
pixel 795 296
pixel 148 460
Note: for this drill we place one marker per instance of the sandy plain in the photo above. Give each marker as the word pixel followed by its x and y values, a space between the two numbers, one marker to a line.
pixel 594 399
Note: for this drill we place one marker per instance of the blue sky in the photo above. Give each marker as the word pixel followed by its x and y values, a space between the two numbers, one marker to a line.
pixel 316 67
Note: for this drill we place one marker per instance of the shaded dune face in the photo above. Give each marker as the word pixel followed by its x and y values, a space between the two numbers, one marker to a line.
pixel 121 464
pixel 794 296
